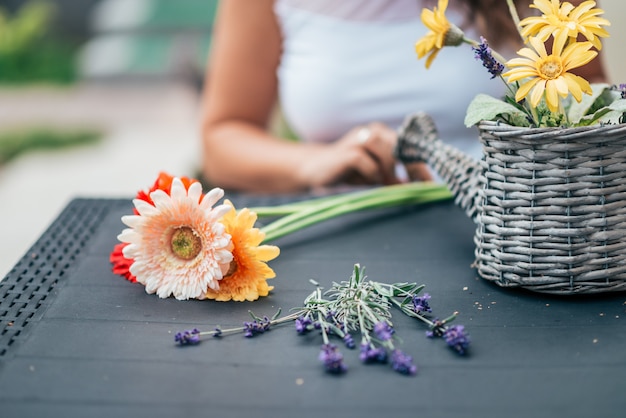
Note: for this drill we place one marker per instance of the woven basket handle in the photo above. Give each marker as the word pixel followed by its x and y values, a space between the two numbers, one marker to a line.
pixel 418 141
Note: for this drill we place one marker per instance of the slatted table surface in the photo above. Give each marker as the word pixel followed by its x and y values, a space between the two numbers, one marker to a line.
pixel 79 341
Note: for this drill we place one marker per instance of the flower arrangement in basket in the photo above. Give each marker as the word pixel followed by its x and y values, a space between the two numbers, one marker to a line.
pixel 549 195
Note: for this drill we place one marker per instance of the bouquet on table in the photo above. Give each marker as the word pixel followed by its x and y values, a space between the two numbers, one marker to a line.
pixel 183 243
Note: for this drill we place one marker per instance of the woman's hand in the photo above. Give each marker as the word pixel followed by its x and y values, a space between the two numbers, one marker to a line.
pixel 363 156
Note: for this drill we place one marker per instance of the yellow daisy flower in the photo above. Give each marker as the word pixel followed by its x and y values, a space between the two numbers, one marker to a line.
pixel 442 33
pixel 548 73
pixel 246 279
pixel 557 18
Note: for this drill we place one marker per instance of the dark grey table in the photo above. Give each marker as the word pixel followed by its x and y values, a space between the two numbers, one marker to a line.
pixel 79 341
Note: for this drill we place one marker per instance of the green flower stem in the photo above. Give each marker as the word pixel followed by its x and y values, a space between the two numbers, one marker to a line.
pixel 365 336
pixel 404 194
pixel 515 17
pixel 307 218
pixel 322 322
pixel 508 86
pixel 289 208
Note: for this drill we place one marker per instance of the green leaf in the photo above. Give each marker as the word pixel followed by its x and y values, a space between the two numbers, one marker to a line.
pixel 609 114
pixel 578 110
pixel 618 105
pixel 617 113
pixel 277 314
pixel 381 290
pixel 485 107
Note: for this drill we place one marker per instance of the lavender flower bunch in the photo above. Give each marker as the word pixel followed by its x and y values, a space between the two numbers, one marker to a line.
pixel 356 307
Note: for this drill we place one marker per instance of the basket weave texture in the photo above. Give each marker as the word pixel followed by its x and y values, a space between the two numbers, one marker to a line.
pixel 549 203
pixel 552 215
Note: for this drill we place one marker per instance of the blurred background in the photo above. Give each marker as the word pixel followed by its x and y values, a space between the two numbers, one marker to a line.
pixel 98 96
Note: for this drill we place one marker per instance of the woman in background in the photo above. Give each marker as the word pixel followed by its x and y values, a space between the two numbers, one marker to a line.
pixel 345 75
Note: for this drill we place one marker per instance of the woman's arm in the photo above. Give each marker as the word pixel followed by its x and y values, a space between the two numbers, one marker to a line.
pixel 240 94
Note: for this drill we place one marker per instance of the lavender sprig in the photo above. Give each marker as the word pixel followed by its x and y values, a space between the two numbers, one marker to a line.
pixel 483 53
pixel 350 307
pixel 249 329
pixel 418 307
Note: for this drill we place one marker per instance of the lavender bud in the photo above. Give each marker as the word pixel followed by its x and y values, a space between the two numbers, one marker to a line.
pixel 383 331
pixel 457 339
pixel 403 363
pixel 188 337
pixel 332 359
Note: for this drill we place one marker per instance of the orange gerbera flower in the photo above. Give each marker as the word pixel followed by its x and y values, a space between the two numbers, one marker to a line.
pixel 163 182
pixel 121 264
pixel 247 277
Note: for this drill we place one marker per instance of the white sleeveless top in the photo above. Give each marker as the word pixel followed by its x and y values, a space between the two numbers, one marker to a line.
pixel 349 62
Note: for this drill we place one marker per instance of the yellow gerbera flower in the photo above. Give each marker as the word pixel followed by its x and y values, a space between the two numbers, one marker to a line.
pixel 560 17
pixel 442 33
pixel 246 279
pixel 549 73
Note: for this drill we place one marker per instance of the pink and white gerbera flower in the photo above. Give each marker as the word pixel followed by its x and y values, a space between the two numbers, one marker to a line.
pixel 179 247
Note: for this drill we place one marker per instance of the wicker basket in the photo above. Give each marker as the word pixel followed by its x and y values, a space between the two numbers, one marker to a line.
pixel 549 203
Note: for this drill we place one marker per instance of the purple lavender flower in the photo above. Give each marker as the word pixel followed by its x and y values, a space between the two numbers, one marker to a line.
pixel 420 303
pixel 402 363
pixel 622 88
pixel 457 339
pixel 188 337
pixel 256 327
pixel 483 53
pixel 332 359
pixel 303 324
pixel 437 329
pixel 370 354
pixel 383 331
pixel 348 340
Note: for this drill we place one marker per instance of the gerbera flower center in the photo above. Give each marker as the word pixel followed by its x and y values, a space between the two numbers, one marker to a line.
pixel 550 68
pixel 185 243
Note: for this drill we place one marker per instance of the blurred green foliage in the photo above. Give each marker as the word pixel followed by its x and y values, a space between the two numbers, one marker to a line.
pixel 18 141
pixel 29 52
